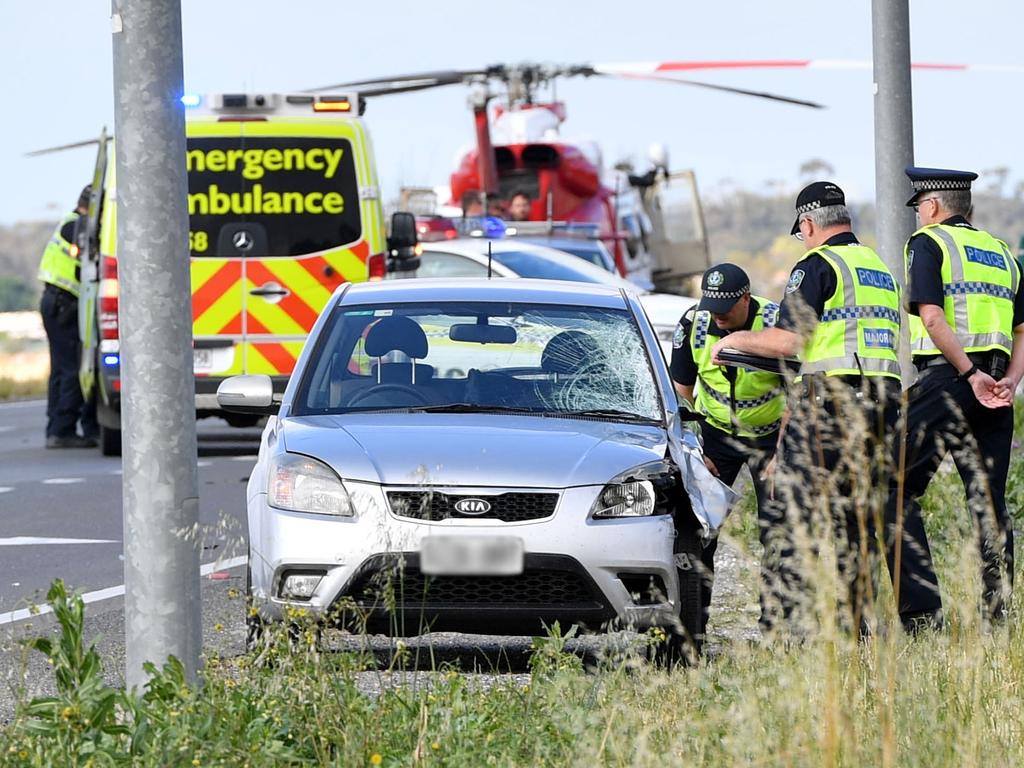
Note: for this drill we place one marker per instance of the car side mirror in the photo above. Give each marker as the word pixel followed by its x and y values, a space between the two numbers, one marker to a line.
pixel 251 393
pixel 403 253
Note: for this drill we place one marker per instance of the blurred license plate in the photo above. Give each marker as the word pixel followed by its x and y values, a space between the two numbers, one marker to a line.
pixel 202 360
pixel 471 555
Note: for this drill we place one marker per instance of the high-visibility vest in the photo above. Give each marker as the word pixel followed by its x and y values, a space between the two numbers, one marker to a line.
pixel 750 405
pixel 979 285
pixel 859 328
pixel 58 266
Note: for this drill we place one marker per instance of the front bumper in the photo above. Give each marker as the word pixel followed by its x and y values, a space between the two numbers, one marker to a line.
pixel 574 568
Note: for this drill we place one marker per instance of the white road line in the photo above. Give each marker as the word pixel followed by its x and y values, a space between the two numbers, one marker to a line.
pixel 24 541
pixel 5 489
pixel 105 594
pixel 203 463
pixel 251 459
pixel 6 429
pixel 63 480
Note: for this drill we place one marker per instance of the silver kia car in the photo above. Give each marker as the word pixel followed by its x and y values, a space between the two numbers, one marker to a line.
pixel 474 455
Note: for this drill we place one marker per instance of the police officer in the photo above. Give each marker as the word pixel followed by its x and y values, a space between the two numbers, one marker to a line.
pixel 967 319
pixel 743 409
pixel 59 272
pixel 841 313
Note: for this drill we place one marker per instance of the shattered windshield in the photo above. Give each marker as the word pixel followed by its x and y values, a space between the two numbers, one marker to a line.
pixel 481 356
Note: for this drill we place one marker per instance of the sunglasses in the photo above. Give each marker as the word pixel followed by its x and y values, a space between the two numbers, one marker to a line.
pixel 916 205
pixel 799 234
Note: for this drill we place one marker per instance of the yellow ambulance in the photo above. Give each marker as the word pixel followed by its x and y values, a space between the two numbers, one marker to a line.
pixel 284 206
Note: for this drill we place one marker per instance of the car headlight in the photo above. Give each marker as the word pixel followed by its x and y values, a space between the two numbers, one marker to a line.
pixel 301 484
pixel 635 499
pixel 641 492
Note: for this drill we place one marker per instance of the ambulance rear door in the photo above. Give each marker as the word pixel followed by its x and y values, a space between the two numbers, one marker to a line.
pixel 309 228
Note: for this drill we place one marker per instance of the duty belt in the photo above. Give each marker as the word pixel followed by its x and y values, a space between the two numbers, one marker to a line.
pixel 993 363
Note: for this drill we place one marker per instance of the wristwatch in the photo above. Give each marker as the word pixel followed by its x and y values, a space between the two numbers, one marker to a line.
pixel 969 372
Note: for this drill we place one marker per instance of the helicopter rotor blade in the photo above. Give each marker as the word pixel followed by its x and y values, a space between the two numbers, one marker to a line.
pixel 401 83
pixel 64 147
pixel 717 87
pixel 667 67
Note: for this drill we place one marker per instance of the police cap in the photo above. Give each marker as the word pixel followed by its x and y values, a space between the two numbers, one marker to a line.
pixel 721 287
pixel 820 194
pixel 937 180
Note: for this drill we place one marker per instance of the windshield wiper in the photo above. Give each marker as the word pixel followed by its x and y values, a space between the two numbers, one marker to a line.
pixel 607 413
pixel 475 408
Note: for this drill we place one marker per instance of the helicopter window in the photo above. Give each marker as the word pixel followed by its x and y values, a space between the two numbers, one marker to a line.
pixel 540 156
pixel 519 180
pixel 291 196
pixel 504 159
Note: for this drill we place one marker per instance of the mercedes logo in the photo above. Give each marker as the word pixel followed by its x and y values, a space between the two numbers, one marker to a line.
pixel 242 240
pixel 472 506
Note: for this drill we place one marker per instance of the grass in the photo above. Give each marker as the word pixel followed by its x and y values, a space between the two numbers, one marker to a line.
pixel 950 698
pixel 15 389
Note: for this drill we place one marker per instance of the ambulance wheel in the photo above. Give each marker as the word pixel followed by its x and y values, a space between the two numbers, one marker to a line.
pixel 110 441
pixel 684 641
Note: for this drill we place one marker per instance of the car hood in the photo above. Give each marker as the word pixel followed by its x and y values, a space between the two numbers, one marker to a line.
pixel 473 449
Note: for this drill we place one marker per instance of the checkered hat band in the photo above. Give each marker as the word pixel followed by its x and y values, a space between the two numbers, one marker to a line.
pixel 711 293
pixel 855 313
pixel 928 185
pixel 807 207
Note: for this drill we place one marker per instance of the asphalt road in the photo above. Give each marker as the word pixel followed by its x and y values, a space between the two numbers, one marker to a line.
pixel 60 510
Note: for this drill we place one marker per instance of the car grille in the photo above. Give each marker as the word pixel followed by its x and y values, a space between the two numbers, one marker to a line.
pixel 540 587
pixel 512 507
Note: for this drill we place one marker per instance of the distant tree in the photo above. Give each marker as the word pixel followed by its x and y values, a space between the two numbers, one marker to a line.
pixel 996 178
pixel 15 294
pixel 816 168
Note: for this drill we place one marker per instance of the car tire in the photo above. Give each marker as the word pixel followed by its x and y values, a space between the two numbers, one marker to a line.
pixel 110 441
pixel 254 623
pixel 240 420
pixel 685 640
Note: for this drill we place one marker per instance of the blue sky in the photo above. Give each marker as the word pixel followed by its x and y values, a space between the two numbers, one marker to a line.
pixel 56 60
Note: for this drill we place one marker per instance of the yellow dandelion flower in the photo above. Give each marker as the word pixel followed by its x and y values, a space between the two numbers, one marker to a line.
pixel 376 759
pixel 435 746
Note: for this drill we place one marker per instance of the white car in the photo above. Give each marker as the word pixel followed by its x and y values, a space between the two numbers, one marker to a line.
pixel 467 257
pixel 474 455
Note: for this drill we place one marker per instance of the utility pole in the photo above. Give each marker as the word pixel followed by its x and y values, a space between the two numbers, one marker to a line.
pixel 160 486
pixel 894 137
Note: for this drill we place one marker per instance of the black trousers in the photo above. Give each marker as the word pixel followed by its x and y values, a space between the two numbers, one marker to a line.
pixel 729 454
pixel 64 403
pixel 943 416
pixel 834 475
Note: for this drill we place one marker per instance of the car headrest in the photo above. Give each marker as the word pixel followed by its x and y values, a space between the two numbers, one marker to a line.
pixel 396 334
pixel 570 351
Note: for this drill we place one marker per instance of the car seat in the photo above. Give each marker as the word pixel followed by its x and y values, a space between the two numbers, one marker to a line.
pixel 569 352
pixel 398 334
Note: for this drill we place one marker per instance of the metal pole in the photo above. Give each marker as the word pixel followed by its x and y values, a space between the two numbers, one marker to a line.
pixel 894 135
pixel 160 486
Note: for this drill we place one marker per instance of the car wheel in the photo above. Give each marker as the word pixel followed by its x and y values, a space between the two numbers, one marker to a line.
pixel 685 639
pixel 254 623
pixel 110 441
pixel 241 420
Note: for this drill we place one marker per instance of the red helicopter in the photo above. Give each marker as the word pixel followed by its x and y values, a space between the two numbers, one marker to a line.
pixel 518 148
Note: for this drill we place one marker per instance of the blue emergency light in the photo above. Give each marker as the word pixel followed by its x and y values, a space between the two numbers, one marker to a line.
pixel 111 359
pixel 191 99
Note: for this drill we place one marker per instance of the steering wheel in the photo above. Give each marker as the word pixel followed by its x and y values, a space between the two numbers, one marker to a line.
pixel 588 382
pixel 378 389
